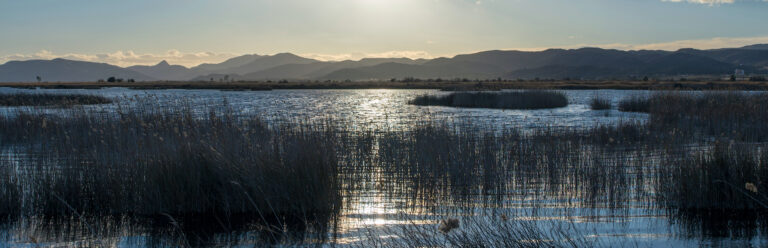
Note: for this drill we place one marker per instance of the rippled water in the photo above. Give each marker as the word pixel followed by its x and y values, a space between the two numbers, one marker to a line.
pixel 388 109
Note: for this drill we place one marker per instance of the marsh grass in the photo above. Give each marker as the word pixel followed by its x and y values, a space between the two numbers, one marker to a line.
pixel 57 100
pixel 146 161
pixel 598 103
pixel 495 230
pixel 724 114
pixel 165 164
pixel 503 100
pixel 725 178
pixel 635 104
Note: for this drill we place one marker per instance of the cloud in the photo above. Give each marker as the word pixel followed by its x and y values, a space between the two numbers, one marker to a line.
pixel 711 2
pixel 128 58
pixel 708 2
pixel 711 43
pixel 357 56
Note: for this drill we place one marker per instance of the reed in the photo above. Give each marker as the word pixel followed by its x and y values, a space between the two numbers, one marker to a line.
pixel 598 103
pixel 59 100
pixel 724 178
pixel 504 100
pixel 168 163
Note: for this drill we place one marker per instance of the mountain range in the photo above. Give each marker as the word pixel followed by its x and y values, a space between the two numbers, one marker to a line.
pixel 583 63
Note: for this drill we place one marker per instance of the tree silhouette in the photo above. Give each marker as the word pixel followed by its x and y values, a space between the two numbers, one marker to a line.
pixel 39 79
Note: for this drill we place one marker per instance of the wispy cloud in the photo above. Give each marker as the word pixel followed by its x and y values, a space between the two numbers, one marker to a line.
pixel 711 43
pixel 128 58
pixel 709 2
pixel 357 56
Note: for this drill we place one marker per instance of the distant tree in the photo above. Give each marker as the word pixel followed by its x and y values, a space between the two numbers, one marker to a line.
pixel 119 80
pixel 645 78
pixel 111 79
pixel 101 80
pixel 131 80
pixel 211 79
pixel 733 77
pixel 39 79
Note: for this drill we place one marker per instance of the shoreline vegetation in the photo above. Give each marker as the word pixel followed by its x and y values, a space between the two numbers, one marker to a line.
pixel 441 85
pixel 50 100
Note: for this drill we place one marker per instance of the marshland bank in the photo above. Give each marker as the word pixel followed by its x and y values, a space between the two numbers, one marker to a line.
pixel 441 85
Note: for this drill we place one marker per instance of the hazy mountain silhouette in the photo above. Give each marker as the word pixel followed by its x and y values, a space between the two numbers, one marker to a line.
pixel 64 70
pixel 584 63
pixel 320 69
pixel 165 71
pixel 230 63
pixel 757 47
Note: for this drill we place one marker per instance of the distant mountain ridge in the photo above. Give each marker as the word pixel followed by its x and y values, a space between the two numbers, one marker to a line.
pixel 583 63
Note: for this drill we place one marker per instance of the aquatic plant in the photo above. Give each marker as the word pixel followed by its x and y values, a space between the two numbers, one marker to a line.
pixel 59 100
pixel 160 163
pixel 504 100
pixel 598 103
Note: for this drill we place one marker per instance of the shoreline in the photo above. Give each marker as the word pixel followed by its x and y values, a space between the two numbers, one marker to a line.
pixel 446 86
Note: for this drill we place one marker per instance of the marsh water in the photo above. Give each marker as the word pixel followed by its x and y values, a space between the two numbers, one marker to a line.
pixel 369 208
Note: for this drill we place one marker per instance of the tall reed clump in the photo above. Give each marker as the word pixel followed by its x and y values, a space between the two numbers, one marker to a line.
pixel 60 100
pixel 729 115
pixel 725 178
pixel 169 162
pixel 598 103
pixel 635 104
pixel 503 100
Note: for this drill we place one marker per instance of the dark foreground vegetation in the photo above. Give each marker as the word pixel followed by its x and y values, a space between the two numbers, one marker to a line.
pixel 501 100
pixel 168 164
pixel 58 100
pixel 699 154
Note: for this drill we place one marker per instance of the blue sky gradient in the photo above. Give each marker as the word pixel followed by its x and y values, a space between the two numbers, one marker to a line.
pixel 194 31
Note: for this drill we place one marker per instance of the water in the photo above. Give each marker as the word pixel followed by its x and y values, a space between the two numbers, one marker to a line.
pixel 372 211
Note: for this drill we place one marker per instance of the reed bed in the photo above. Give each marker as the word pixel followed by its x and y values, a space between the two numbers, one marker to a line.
pixel 504 100
pixel 727 115
pixel 168 164
pixel 157 162
pixel 598 103
pixel 58 100
pixel 724 178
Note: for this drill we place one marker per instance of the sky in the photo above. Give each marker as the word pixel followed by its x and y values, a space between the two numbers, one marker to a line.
pixel 190 32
